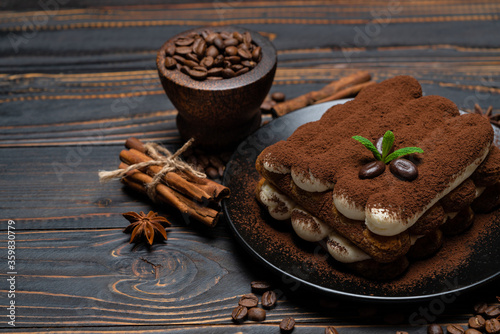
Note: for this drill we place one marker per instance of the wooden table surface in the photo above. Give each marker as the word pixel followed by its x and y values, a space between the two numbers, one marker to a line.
pixel 78 77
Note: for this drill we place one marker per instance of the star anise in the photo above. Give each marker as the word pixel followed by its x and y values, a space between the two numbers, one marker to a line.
pixel 145 226
pixel 494 119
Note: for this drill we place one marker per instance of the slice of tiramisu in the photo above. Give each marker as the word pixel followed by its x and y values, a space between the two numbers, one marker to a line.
pixel 426 171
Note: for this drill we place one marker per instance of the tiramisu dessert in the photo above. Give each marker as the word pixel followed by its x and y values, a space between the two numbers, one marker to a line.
pixel 380 179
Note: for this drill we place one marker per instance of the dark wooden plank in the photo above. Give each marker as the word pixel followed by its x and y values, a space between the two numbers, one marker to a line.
pixel 89 277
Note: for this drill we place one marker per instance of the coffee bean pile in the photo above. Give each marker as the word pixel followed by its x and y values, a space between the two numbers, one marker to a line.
pixel 213 55
pixel 211 164
pixel 485 320
pixel 248 304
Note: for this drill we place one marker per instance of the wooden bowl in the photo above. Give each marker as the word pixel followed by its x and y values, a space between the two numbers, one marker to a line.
pixel 219 113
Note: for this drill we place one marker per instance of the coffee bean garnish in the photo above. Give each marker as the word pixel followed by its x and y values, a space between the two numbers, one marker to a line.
pixel 477 322
pixel 404 169
pixel 269 299
pixel 492 326
pixel 492 311
pixel 260 286
pixel 371 170
pixel 239 313
pixel 331 330
pixel 210 49
pixel 256 314
pixel 455 329
pixel 249 300
pixel 287 325
pixel 434 329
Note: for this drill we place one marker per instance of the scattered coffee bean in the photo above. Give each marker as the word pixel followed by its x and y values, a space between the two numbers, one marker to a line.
pixel 256 314
pixel 472 331
pixel 268 299
pixel 287 325
pixel 260 286
pixel 479 308
pixel 404 169
pixel 331 330
pixel 492 326
pixel 492 311
pixel 212 172
pixel 455 329
pixel 239 314
pixel 249 300
pixel 278 96
pixel 371 170
pixel 434 329
pixel 477 322
pixel 266 107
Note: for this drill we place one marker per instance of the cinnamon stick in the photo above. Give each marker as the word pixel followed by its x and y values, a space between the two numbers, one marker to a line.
pixel 137 181
pixel 215 190
pixel 347 92
pixel 330 89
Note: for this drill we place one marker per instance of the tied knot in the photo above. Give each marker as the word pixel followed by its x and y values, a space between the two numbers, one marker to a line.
pixel 160 157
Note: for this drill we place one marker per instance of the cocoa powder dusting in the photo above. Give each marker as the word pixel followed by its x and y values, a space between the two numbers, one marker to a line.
pixel 325 147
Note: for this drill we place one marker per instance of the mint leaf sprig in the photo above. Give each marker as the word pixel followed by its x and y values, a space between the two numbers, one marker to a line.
pixel 387 143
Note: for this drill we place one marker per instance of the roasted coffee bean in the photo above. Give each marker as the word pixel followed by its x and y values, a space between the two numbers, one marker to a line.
pixel 244 54
pixel 190 63
pixel 216 162
pixel 207 62
pixel 231 51
pixel 215 72
pixel 477 322
pixel 278 96
pixel 211 37
pixel 434 329
pixel 170 62
pixel 237 67
pixel 257 53
pixel 371 170
pixel 183 50
pixel 212 172
pixel 239 314
pixel 234 59
pixel 200 68
pixel 192 56
pixel 199 47
pixel 269 299
pixel 205 33
pixel 219 43
pixel 212 51
pixel 248 63
pixel 227 63
pixel 185 69
pixel 226 34
pixel 247 38
pixel 242 71
pixel 492 311
pixel 170 49
pixel 260 286
pixel 179 59
pixel 266 107
pixel 249 300
pixel 238 36
pixel 492 326
pixel 401 332
pixel 228 73
pixel 472 331
pixel 331 330
pixel 184 41
pixel 287 325
pixel 219 61
pixel 479 308
pixel 455 329
pixel 231 42
pixel 378 145
pixel 198 75
pixel 256 314
pixel 221 170
pixel 404 169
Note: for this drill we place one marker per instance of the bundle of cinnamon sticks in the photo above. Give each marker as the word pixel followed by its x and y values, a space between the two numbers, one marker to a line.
pixel 192 195
pixel 338 89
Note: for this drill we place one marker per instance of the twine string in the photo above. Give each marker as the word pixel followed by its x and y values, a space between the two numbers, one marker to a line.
pixel 160 157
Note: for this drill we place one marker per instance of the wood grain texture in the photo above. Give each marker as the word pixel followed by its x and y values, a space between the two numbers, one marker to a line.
pixel 79 78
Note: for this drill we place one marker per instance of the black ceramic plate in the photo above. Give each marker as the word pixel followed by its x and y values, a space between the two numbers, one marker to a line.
pixel 464 262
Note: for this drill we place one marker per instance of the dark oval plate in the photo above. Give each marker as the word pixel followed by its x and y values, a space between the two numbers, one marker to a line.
pixel 464 262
